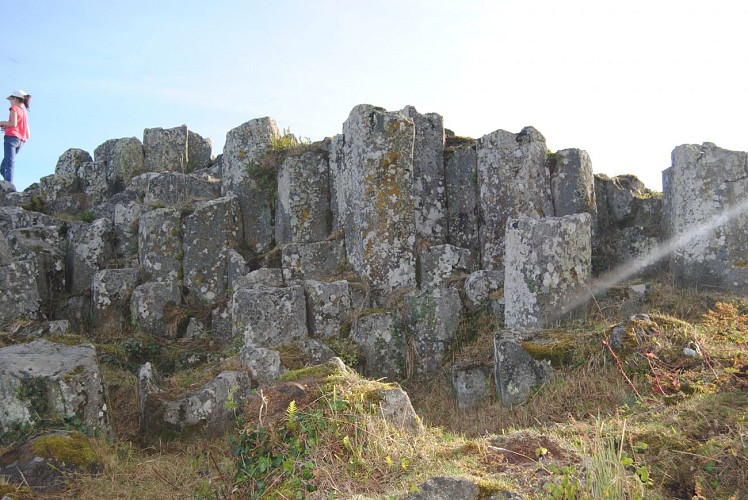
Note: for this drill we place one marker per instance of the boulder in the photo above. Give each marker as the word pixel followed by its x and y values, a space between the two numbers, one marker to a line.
pixel 208 412
pixel 45 463
pixel 147 306
pixel 573 184
pixel 471 383
pixel 19 293
pixel 121 160
pixel 302 213
pixel 397 411
pixel 548 269
pixel 126 214
pixel 264 364
pixel 481 284
pixel 208 234
pixel 514 180
pixel 174 150
pixel 516 373
pixel 180 191
pixel 265 277
pixel 42 380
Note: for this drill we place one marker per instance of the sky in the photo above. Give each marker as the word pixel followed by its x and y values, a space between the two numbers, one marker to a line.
pixel 626 81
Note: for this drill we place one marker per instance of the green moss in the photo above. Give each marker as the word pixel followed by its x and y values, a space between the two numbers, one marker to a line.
pixel 291 356
pixel 557 348
pixel 73 449
pixel 311 371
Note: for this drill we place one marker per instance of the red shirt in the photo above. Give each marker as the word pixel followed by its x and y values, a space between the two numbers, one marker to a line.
pixel 21 130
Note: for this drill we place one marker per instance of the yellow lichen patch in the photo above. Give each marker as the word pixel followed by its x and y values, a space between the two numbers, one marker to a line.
pixel 71 449
pixel 742 264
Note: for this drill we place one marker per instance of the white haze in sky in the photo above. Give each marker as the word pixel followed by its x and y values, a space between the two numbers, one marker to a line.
pixel 625 81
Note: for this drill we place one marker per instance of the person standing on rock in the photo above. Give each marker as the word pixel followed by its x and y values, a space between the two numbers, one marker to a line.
pixel 16 130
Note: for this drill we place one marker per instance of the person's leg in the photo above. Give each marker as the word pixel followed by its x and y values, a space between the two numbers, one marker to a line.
pixel 11 145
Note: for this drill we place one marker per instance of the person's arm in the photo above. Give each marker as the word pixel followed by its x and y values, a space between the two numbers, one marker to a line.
pixel 12 120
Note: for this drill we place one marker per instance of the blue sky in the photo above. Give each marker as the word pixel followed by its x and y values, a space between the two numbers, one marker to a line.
pixel 625 81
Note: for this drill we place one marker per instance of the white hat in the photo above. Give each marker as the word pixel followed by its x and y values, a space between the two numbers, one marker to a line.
pixel 17 93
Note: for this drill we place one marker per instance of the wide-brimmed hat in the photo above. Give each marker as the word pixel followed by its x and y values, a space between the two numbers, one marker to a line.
pixel 17 93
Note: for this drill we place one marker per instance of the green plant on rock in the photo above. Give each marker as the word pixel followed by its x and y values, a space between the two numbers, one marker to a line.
pixel 87 216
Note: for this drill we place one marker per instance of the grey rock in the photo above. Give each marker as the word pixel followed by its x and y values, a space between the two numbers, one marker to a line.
pixel 208 234
pixel 45 245
pixel 38 465
pixel 573 185
pixel 440 263
pixel 90 247
pixel 481 284
pixel 121 160
pixel 19 293
pixel 206 413
pixel 160 247
pixel 269 317
pixel 303 213
pixel 463 203
pixel 446 488
pixel 433 317
pixel 111 290
pixel 312 261
pixel 328 307
pixel 264 364
pixel 264 277
pixel 471 383
pixel 178 190
pixel 429 184
pixel 63 380
pixel 514 180
pixel 337 172
pixel 706 189
pixel 548 269
pixel 147 306
pixel 376 186
pixel 242 176
pixel 382 342
pixel 516 373
pixel 125 219
pixel 174 150
pixel 397 411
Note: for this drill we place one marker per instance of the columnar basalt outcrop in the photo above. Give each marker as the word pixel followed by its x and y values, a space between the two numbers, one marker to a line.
pixel 706 191
pixel 513 180
pixel 377 244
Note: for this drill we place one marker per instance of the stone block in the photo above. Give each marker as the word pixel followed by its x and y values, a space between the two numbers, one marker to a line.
pixel 706 192
pixel 516 373
pixel 147 306
pixel 548 269
pixel 178 190
pixel 208 234
pixel 471 383
pixel 440 263
pixel 121 160
pixel 312 261
pixel 328 307
pixel 90 247
pixel 463 202
pixel 174 150
pixel 269 317
pixel 433 317
pixel 382 342
pixel 573 185
pixel 376 186
pixel 242 175
pixel 303 213
pixel 160 247
pixel 60 382
pixel 111 290
pixel 264 277
pixel 19 294
pixel 429 183
pixel 481 284
pixel 513 180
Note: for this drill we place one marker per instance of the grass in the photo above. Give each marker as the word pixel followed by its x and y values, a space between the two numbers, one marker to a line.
pixel 652 422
